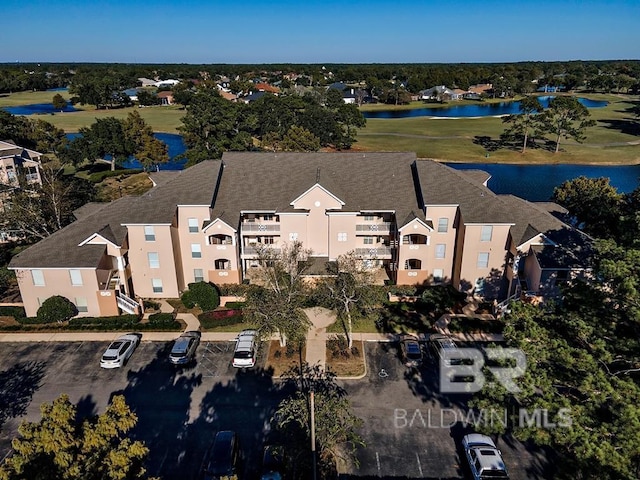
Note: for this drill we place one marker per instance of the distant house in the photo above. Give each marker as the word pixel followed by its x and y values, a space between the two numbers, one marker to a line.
pixel 265 87
pixel 132 93
pixel 476 92
pixel 350 95
pixel 166 98
pixel 147 82
pixel 232 97
pixel 16 160
pixel 252 97
pixel 166 83
pixel 439 93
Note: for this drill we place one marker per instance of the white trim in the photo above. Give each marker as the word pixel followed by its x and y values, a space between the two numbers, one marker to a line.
pixel 52 268
pixel 377 211
pixel 488 223
pixel 340 212
pixel 145 224
pixel 416 220
pixel 245 212
pixel 306 212
pixel 95 235
pixel 531 242
pixel 202 205
pixel 214 222
pixel 323 189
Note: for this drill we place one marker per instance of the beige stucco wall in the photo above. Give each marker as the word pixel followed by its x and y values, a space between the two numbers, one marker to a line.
pixel 57 281
pixel 293 223
pixel 496 247
pixel 141 272
pixel 317 201
pixel 107 303
pixel 342 223
pixel 214 252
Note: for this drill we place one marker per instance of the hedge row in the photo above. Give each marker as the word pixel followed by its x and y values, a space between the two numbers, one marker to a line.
pixel 15 312
pixel 220 318
pixel 157 322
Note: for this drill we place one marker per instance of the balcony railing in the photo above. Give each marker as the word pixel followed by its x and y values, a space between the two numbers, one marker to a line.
pixel 127 304
pixel 375 227
pixel 254 250
pixel 32 177
pixel 374 252
pixel 260 227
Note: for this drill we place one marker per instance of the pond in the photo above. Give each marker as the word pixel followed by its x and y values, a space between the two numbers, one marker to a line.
pixel 38 108
pixel 174 143
pixel 478 110
pixel 536 182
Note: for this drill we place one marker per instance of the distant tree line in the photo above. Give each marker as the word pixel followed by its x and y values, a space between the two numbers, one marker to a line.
pixel 606 75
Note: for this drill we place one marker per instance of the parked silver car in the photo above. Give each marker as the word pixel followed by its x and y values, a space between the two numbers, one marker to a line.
pixel 184 348
pixel 483 457
pixel 120 350
pixel 244 355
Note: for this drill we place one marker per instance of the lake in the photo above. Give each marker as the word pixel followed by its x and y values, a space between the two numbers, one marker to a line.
pixel 536 182
pixel 38 108
pixel 479 110
pixel 532 182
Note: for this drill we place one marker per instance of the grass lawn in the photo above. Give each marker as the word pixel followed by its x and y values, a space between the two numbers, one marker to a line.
pixel 115 187
pixel 28 98
pixel 347 363
pixel 363 325
pixel 282 359
pixel 453 139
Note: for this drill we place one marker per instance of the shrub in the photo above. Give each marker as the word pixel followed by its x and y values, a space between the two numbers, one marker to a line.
pixel 338 346
pixel 56 309
pixel 235 305
pixel 220 318
pixel 233 289
pixel 202 294
pixel 119 322
pixel 162 319
pixel 15 312
pixel 150 304
pixel 97 177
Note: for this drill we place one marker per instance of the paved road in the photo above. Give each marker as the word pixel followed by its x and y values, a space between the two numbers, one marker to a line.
pixel 180 410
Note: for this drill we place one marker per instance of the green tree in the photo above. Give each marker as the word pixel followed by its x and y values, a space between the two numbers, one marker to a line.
pixel 59 447
pixel 211 126
pixel 202 294
pixel 593 202
pixel 350 118
pixel 276 306
pixel 299 139
pixel 146 148
pixel 566 118
pixel 59 102
pixel 105 137
pixel 349 290
pixel 335 424
pixel 520 125
pixel 147 98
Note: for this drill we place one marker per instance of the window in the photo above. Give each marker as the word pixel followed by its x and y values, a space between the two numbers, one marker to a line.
pixel 81 304
pixel 368 240
pixel 76 278
pixel 443 225
pixel 293 236
pixel 268 218
pixel 268 240
pixel 149 234
pixel 441 250
pixel 198 275
pixel 487 231
pixel 369 218
pixel 196 250
pixel 193 225
pixel 438 274
pixel 154 259
pixel 38 278
pixel 483 260
pixel 156 283
pixel 342 237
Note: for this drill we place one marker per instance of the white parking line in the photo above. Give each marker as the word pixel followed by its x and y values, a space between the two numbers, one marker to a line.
pixel 378 463
pixel 419 465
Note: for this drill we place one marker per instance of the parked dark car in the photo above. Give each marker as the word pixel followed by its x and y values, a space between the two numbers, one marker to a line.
pixel 273 463
pixel 411 351
pixel 184 348
pixel 222 458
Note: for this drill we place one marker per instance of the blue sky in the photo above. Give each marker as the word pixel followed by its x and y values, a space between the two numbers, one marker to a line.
pixel 309 31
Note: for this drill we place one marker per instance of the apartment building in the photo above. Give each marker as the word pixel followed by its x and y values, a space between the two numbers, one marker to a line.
pixel 16 160
pixel 413 221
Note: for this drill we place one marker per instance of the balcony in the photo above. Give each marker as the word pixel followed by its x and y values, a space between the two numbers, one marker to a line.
pixel 375 252
pixel 32 177
pixel 259 227
pixel 254 250
pixel 384 227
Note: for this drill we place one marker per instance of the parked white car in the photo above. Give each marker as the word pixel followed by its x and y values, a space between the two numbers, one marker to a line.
pixel 244 355
pixel 120 350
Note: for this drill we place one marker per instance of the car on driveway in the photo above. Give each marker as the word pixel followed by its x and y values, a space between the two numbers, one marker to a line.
pixel 483 457
pixel 119 351
pixel 244 355
pixel 184 348
pixel 221 461
pixel 411 351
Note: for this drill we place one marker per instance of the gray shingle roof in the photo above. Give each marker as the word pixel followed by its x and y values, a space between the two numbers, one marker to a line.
pixel 193 186
pixel 270 181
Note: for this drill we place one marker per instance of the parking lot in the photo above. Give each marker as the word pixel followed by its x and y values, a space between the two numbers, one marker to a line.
pixel 407 424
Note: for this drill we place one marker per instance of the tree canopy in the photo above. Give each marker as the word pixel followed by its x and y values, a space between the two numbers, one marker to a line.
pixel 566 118
pixel 59 447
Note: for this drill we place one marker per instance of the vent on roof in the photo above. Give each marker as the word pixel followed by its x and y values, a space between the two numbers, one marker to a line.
pixel 318 175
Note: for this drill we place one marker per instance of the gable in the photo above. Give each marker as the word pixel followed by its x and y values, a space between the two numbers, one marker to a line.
pixel 317 196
